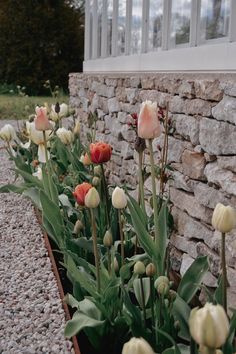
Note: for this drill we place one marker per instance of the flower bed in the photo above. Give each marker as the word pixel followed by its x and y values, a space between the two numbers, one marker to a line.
pixel 115 248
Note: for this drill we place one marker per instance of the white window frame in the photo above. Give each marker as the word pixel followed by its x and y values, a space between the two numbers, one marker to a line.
pixel 217 55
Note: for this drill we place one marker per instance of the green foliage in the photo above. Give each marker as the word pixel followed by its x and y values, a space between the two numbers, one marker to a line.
pixel 39 40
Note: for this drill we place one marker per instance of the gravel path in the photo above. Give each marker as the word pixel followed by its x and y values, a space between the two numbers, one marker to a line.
pixel 31 314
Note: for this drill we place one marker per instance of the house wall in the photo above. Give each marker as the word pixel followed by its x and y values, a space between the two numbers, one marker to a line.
pixel 202 150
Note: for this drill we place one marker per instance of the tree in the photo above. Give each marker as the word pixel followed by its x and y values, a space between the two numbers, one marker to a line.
pixel 40 40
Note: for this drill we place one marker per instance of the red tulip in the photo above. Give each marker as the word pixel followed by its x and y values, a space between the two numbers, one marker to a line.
pixel 100 152
pixel 80 192
pixel 41 119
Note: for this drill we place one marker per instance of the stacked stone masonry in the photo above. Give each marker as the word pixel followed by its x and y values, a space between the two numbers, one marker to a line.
pixel 202 150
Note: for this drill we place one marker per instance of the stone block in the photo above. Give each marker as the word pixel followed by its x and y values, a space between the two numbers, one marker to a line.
pixel 225 110
pixel 198 107
pixel 168 84
pixel 187 127
pixel 176 148
pixel 127 133
pixel 214 259
pixel 175 258
pixel 186 89
pixel 208 90
pixel 111 82
pixel 131 95
pixel 227 162
pixel 113 105
pixel 147 83
pixel 187 202
pixel 217 138
pixel 184 245
pixel 193 164
pixel 176 104
pixel 209 196
pixel 222 178
pixel 135 81
pixel 122 117
pixel 229 88
pixel 154 96
pixel 127 152
pixel 181 181
pixel 121 94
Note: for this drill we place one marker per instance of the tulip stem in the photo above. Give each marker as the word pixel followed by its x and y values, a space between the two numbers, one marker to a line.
pixel 152 302
pixel 141 186
pixel 95 249
pixel 121 237
pixel 154 196
pixel 47 165
pixel 104 184
pixel 109 260
pixel 224 272
pixel 143 301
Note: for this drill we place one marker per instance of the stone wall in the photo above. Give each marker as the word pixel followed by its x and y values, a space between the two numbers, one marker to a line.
pixel 202 150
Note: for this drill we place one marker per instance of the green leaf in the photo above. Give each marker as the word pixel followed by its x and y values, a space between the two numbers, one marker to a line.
pixel 138 291
pixel 30 179
pixel 162 236
pixel 13 188
pixel 192 278
pixel 181 313
pixel 171 340
pixel 228 347
pixel 33 194
pixel 143 236
pixel 79 322
pixel 71 301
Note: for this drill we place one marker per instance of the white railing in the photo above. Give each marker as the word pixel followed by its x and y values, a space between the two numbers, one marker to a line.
pixel 106 50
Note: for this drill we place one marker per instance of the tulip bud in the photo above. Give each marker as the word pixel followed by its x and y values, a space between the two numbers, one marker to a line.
pixel 139 268
pixel 78 227
pixel 65 135
pixel 116 265
pixel 108 239
pixel 162 285
pixel 97 170
pixel 96 181
pixel 148 122
pixel 57 108
pixel 92 198
pixel 137 346
pixel 119 199
pixel 150 270
pixel 85 159
pixel 209 326
pixel 224 218
pixel 77 128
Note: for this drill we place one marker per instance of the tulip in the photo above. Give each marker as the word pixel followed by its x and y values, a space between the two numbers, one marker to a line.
pixel 137 346
pixel 97 170
pixel 150 270
pixel 78 227
pixel 85 159
pixel 209 326
pixel 139 268
pixel 148 123
pixel 38 174
pixel 224 218
pixel 77 128
pixel 92 198
pixel 96 181
pixel 65 135
pixel 119 199
pixel 58 111
pixel 108 239
pixel 41 120
pixel 80 192
pixel 37 137
pixel 162 285
pixel 8 133
pixel 100 152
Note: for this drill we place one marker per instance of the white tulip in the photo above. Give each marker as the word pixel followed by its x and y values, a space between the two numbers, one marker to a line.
pixel 137 346
pixel 224 218
pixel 8 133
pixel 65 135
pixel 119 199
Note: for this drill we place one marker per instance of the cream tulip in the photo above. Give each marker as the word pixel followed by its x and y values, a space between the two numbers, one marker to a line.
pixel 119 199
pixel 65 135
pixel 209 326
pixel 8 133
pixel 92 198
pixel 224 218
pixel 137 346
pixel 36 136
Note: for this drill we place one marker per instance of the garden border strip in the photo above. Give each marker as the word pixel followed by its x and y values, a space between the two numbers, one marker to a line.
pixel 58 280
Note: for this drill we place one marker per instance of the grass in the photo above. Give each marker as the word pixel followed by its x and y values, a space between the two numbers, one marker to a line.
pixel 20 107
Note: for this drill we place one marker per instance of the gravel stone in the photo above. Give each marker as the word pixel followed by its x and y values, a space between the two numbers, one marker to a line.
pixel 32 319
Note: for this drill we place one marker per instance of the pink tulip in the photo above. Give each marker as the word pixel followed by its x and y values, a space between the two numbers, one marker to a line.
pixel 148 123
pixel 41 119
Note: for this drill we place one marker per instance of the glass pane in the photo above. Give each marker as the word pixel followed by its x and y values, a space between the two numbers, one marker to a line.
pixel 180 22
pixel 121 27
pixel 91 28
pixel 136 29
pixel 109 26
pixel 214 19
pixel 155 24
pixel 99 27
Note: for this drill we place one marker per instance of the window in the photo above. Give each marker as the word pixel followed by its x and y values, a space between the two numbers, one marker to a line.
pixel 200 34
pixel 180 22
pixel 136 27
pixel 215 16
pixel 155 24
pixel 121 27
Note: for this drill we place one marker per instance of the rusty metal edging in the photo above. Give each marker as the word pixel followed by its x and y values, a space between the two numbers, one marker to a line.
pixel 58 280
